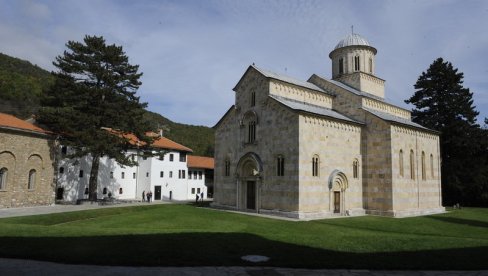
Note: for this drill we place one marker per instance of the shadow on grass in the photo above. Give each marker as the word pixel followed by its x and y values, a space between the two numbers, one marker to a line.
pixel 469 222
pixel 226 249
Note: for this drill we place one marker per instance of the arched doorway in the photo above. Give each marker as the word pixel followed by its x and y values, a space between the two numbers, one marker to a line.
pixel 338 185
pixel 248 182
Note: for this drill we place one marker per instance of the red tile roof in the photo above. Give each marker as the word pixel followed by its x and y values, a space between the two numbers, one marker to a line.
pixel 200 162
pixel 9 121
pixel 161 142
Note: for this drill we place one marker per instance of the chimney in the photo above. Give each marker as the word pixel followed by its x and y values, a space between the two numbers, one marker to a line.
pixel 160 132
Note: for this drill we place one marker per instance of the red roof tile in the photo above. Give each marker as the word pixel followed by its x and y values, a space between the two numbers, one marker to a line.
pixel 9 121
pixel 200 162
pixel 161 142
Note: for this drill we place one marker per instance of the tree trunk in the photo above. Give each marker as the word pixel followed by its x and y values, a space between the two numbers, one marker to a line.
pixel 94 178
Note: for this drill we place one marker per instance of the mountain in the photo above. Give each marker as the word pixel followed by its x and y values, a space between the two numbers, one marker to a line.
pixel 21 84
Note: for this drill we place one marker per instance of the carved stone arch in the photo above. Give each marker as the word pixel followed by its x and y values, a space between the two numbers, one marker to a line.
pixel 249 165
pixel 250 115
pixel 338 179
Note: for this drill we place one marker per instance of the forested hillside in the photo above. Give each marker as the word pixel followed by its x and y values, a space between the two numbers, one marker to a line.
pixel 21 85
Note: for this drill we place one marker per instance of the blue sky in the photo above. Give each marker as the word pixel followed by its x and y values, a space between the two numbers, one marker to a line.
pixel 192 53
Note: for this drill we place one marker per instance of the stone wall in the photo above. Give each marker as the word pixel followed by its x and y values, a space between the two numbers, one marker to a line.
pixel 20 153
pixel 337 145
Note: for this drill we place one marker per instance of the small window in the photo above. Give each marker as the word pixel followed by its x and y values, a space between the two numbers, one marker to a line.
pixel 355 169
pixel 199 175
pixel 227 167
pixel 251 132
pixel 424 175
pixel 183 174
pixel 432 166
pixel 189 174
pixel 315 165
pixel 111 175
pixel 86 191
pixel 192 191
pixel 179 174
pixel 147 174
pixel 134 175
pixel 105 191
pixel 81 173
pixel 144 158
pixel 198 190
pixel 170 174
pixel 161 174
pixel 341 66
pixel 280 166
pixel 121 191
pixel 64 150
pixel 61 170
pixel 371 65
pixel 412 165
pixel 253 98
pixel 3 178
pixel 356 63
pixel 400 162
pixel 182 157
pixel 122 175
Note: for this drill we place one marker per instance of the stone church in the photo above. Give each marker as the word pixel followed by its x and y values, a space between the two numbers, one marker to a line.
pixel 325 147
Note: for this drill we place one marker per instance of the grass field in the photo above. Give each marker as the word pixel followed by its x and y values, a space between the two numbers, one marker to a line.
pixel 183 235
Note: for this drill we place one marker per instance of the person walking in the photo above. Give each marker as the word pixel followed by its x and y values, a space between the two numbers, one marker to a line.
pixel 147 196
pixel 150 196
pixel 201 196
pixel 143 196
pixel 196 200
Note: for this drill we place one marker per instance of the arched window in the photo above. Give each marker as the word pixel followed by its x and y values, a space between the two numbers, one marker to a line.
pixel 3 178
pixel 120 191
pixel 432 166
pixel 280 165
pixel 341 66
pixel 400 162
pixel 252 132
pixel 412 165
pixel 250 120
pixel 423 166
pixel 32 179
pixel 227 168
pixel 253 98
pixel 105 190
pixel 371 65
pixel 315 165
pixel 356 63
pixel 355 168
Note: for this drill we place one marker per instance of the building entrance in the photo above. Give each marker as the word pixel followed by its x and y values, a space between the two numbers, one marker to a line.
pixel 251 195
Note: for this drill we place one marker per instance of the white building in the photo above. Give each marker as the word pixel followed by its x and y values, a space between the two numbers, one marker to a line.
pixel 167 178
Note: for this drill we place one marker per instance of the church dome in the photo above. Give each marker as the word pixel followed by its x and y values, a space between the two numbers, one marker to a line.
pixel 352 40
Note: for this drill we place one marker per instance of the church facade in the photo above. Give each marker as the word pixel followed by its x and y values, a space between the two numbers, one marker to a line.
pixel 324 147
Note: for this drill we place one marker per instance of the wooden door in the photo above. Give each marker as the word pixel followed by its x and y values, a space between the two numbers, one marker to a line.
pixel 337 202
pixel 157 192
pixel 251 195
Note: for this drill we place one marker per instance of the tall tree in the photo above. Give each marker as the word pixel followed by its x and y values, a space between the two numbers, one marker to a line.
pixel 443 104
pixel 95 89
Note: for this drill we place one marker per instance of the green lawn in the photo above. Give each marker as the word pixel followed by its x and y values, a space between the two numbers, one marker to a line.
pixel 183 235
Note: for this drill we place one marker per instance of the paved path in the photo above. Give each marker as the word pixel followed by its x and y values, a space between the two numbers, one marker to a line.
pixel 42 210
pixel 37 268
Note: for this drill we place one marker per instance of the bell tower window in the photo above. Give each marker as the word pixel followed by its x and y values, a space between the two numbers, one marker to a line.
pixel 341 66
pixel 356 63
pixel 371 65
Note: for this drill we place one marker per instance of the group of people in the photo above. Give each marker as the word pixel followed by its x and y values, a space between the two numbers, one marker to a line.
pixel 146 196
pixel 199 197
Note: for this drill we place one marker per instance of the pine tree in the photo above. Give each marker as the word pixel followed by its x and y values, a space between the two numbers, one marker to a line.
pixel 94 89
pixel 443 104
